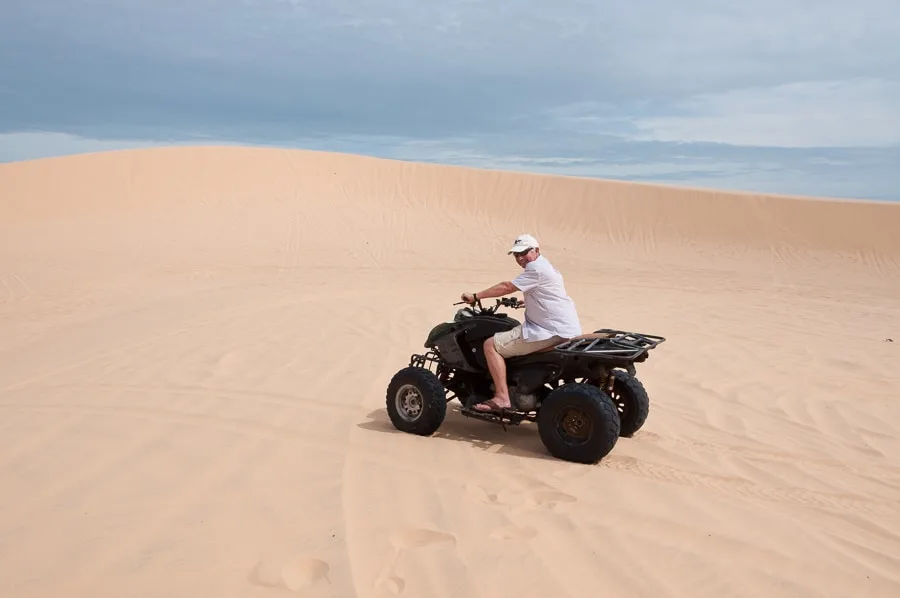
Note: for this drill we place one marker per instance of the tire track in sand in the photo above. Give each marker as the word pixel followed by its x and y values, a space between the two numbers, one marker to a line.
pixel 214 393
pixel 762 455
pixel 189 324
pixel 165 511
pixel 799 497
pixel 14 288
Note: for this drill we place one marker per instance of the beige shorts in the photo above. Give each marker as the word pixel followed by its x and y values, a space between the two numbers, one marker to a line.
pixel 511 343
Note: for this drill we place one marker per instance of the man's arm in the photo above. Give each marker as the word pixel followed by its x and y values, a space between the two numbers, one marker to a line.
pixel 498 290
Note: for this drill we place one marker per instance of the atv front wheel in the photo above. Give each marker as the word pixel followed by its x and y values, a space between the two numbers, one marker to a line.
pixel 579 423
pixel 416 401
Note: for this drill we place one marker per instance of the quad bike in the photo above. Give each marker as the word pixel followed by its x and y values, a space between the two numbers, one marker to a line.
pixel 582 393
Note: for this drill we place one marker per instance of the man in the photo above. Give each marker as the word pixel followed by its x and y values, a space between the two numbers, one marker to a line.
pixel 550 316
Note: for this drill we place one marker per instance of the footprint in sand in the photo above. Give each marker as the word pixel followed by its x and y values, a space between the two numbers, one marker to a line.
pixel 540 494
pixel 481 494
pixel 537 494
pixel 549 498
pixel 391 583
pixel 227 363
pixel 404 540
pixel 299 573
pixel 419 537
pixel 514 532
pixel 293 574
pixel 267 573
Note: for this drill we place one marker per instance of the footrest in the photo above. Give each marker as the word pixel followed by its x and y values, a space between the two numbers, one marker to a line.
pixel 505 418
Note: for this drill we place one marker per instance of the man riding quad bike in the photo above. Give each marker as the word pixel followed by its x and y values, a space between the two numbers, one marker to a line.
pixel 580 389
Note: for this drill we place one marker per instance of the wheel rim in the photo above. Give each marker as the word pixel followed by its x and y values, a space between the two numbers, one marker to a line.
pixel 619 400
pixel 574 426
pixel 409 402
pixel 617 395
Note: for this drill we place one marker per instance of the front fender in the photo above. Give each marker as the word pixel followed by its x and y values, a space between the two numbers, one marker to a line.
pixel 442 329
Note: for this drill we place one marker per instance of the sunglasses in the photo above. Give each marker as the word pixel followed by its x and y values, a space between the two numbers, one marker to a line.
pixel 522 253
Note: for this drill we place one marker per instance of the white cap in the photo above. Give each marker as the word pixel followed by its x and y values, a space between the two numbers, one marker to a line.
pixel 522 243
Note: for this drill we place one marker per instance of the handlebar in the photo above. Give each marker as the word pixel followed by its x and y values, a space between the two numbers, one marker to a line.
pixel 512 302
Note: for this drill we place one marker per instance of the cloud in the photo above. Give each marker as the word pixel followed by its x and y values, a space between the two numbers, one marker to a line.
pixel 582 85
pixel 851 113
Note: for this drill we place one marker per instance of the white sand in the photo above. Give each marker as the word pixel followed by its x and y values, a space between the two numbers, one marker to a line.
pixel 195 345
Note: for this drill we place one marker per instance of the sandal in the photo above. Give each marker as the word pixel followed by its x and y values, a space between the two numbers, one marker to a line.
pixel 490 406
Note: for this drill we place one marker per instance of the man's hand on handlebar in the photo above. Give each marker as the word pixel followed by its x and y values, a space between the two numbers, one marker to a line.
pixel 468 298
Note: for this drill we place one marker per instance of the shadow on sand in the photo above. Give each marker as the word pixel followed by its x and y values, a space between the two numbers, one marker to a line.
pixel 520 441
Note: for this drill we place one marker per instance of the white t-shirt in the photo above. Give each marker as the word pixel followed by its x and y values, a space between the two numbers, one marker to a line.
pixel 549 310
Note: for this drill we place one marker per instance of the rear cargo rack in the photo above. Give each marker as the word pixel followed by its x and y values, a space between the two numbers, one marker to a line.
pixel 616 344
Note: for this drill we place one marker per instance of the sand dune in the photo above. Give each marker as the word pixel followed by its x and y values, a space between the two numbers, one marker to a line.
pixel 195 345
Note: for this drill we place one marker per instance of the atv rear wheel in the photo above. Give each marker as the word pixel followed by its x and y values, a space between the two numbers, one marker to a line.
pixel 631 400
pixel 578 422
pixel 416 401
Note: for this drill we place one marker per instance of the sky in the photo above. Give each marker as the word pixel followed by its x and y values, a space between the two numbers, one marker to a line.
pixel 793 96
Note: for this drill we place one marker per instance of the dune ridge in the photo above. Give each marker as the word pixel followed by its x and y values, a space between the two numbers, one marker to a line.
pixel 195 345
pixel 601 208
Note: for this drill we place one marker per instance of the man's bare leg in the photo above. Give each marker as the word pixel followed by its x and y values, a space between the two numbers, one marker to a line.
pixel 497 367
